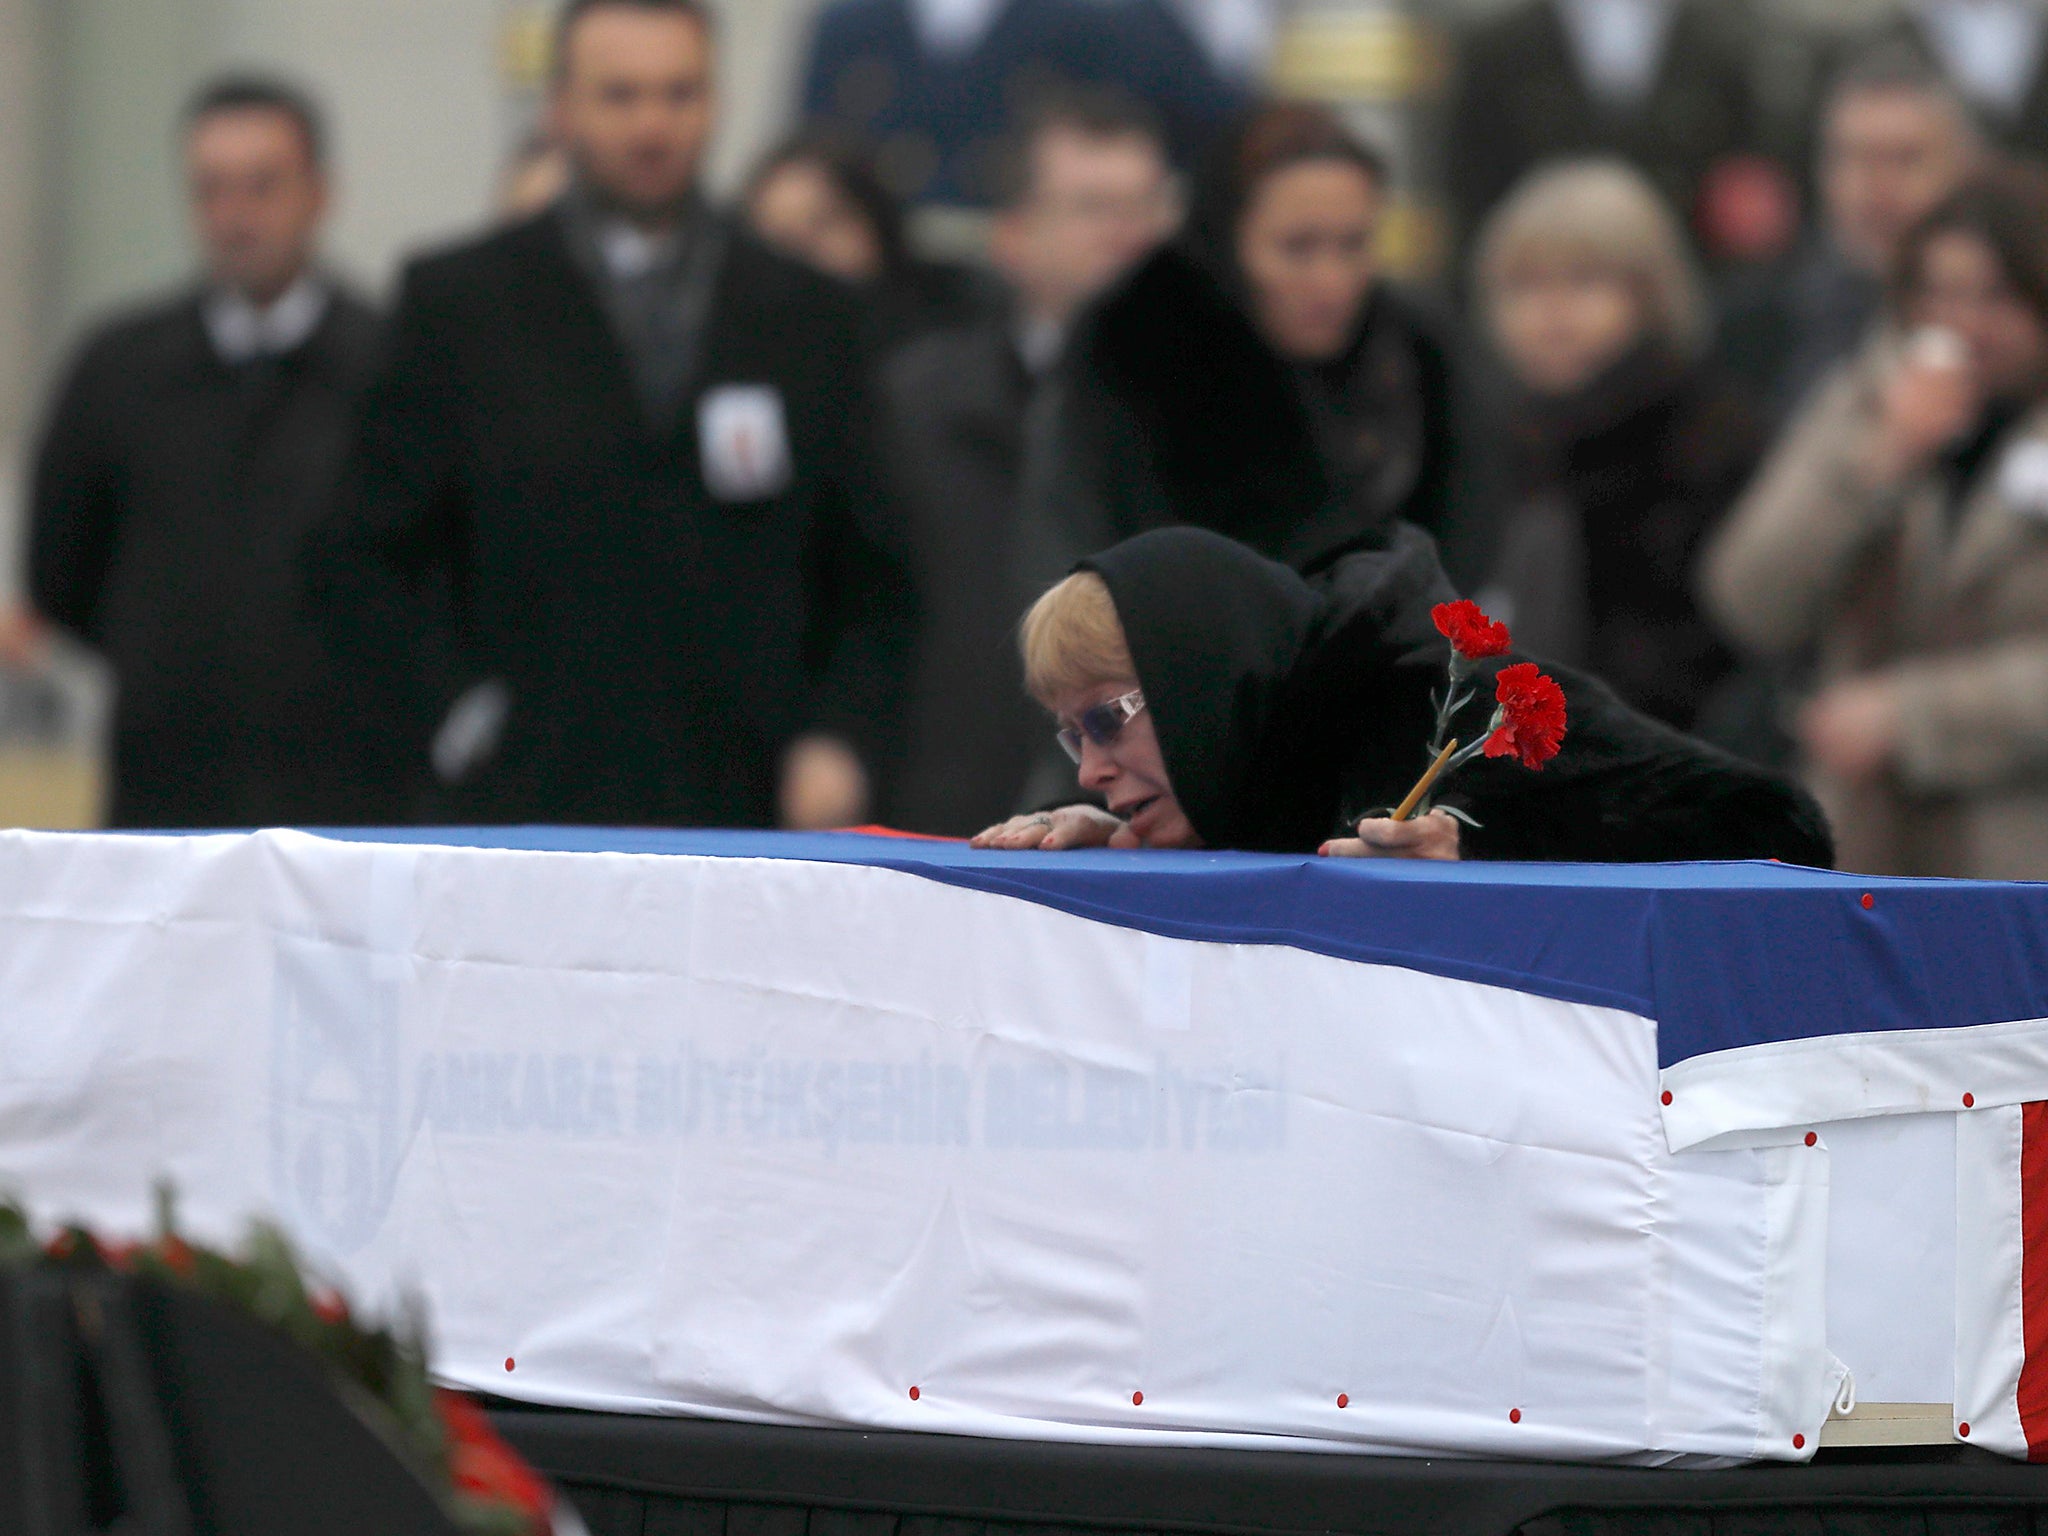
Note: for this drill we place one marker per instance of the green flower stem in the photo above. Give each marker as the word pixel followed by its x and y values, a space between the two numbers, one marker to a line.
pixel 1458 760
pixel 1449 703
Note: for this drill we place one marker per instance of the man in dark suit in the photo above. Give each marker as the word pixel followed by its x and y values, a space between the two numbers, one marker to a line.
pixel 1086 191
pixel 1668 85
pixel 934 87
pixel 189 452
pixel 1895 139
pixel 617 526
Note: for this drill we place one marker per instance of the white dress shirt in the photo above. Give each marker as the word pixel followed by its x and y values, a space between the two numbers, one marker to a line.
pixel 629 251
pixel 1991 49
pixel 1618 45
pixel 1039 341
pixel 241 332
pixel 950 28
pixel 1237 35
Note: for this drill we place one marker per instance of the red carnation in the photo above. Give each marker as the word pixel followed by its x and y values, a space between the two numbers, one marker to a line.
pixel 1530 723
pixel 485 1469
pixel 1472 634
pixel 117 1255
pixel 176 1254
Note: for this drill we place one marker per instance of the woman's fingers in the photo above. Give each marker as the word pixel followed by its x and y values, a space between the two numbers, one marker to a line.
pixel 1080 828
pixel 1434 836
pixel 1017 832
pixel 1050 831
pixel 1061 834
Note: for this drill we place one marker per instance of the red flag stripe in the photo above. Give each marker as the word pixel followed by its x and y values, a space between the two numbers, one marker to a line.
pixel 908 837
pixel 2033 1393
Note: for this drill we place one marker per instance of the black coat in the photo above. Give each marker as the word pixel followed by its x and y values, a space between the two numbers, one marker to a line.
pixel 954 404
pixel 1286 708
pixel 516 518
pixel 920 297
pixel 1171 408
pixel 172 499
pixel 1784 328
pixel 1645 461
pixel 1518 100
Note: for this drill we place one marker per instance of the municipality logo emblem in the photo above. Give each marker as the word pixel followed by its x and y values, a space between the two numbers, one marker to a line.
pixel 335 1092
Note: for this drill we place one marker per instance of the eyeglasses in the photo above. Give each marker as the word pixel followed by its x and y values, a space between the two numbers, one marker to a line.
pixel 1102 724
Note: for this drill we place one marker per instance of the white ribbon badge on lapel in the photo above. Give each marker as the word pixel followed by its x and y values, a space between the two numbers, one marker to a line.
pixel 2023 479
pixel 743 441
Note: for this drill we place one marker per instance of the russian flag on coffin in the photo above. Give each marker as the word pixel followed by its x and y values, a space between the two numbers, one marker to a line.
pixel 1783 997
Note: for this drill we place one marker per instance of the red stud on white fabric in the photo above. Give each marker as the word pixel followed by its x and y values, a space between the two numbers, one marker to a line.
pixel 1666 1096
pixel 1969 1101
pixel 1799 1442
pixel 1137 1399
pixel 1343 1399
pixel 1514 1415
pixel 915 1394
pixel 1812 1139
pixel 508 1362
pixel 1963 1430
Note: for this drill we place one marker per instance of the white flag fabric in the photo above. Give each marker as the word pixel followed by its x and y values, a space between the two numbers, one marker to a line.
pixel 1212 1150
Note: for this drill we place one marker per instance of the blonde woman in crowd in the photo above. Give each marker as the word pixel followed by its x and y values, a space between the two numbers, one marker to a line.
pixel 1901 533
pixel 1626 447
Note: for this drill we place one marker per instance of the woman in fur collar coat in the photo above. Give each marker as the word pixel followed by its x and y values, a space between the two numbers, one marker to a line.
pixel 1262 378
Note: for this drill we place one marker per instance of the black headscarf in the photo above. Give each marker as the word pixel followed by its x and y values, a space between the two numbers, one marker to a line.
pixel 1217 633
pixel 1286 708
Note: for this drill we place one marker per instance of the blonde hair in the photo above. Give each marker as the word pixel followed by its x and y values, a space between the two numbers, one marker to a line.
pixel 1607 214
pixel 1072 639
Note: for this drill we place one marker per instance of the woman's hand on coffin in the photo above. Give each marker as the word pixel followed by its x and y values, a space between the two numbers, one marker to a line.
pixel 1071 826
pixel 1434 836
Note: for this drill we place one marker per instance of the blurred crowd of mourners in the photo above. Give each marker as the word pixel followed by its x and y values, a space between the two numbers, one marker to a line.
pixel 648 508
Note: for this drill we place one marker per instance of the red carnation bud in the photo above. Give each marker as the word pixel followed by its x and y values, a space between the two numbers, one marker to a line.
pixel 1531 720
pixel 1472 634
pixel 118 1255
pixel 483 1467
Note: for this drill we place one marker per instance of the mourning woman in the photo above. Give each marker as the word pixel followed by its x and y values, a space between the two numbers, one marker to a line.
pixel 1214 698
pixel 1261 377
